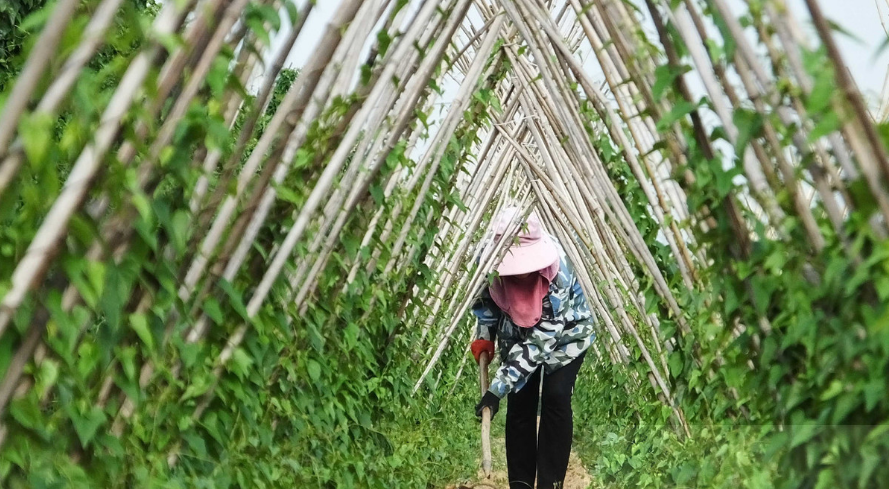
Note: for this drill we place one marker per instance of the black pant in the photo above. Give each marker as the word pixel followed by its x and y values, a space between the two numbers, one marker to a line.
pixel 546 455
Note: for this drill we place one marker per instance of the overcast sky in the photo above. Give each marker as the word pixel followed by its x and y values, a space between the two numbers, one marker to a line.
pixel 859 17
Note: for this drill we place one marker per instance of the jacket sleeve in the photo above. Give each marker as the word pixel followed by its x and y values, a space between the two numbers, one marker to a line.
pixel 488 314
pixel 524 357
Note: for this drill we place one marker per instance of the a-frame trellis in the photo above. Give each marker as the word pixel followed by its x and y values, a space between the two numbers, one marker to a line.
pixel 552 136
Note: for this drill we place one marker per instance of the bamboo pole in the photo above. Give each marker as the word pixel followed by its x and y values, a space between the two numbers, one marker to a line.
pixel 259 296
pixel 540 153
pixel 261 102
pixel 411 96
pixel 850 91
pixel 654 192
pixel 488 260
pixel 34 264
pixel 62 83
pixel 616 212
pixel 71 296
pixel 328 175
pixel 38 61
pixel 344 15
pixel 296 99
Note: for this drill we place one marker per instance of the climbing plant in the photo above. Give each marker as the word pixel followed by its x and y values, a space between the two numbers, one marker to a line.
pixel 222 271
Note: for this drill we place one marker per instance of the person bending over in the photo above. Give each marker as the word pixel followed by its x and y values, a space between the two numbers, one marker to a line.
pixel 538 314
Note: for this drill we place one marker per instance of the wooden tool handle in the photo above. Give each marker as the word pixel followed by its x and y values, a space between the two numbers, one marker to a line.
pixel 486 416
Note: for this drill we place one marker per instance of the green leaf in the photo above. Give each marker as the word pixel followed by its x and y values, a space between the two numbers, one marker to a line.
pixel 139 323
pixel 198 386
pixel 95 272
pixel 6 346
pixel 88 277
pixel 27 412
pixel 685 474
pixel 270 15
pixel 822 93
pixel 117 292
pixel 314 369
pixel 749 124
pixel 679 111
pixel 234 297
pixel 36 132
pixel 869 461
pixel 828 124
pixel 845 405
pixel 842 30
pixel 288 195
pixel 258 28
pixel 825 479
pixel 197 444
pixel 242 361
pixel 87 424
pixel 179 228
pixel 803 433
pixel 350 334
pixel 36 19
pixel 292 12
pixel 878 433
pixel 835 388
pixel 725 182
pixel 127 358
pixel 874 392
pixel 862 196
pixel 217 77
pixel 383 41
pixel 218 135
pixel 47 376
pixel 776 443
pixel 676 364
pixel 213 311
pixel 88 357
pixel 495 104
pixel 664 77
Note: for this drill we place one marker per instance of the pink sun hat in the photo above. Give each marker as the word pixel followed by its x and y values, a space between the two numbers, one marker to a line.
pixel 535 250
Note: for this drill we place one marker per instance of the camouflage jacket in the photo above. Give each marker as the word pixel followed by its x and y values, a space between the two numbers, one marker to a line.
pixel 564 332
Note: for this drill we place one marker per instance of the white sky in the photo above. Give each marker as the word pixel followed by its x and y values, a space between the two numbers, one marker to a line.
pixel 859 17
pixel 313 29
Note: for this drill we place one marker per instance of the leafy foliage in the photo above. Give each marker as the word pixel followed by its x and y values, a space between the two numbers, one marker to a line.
pixel 12 14
pixel 797 404
pixel 782 376
pixel 318 398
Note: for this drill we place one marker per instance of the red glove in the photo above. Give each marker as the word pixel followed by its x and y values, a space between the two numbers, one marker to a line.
pixel 478 346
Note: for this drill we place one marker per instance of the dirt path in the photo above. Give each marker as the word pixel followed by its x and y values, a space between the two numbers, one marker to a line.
pixel 577 477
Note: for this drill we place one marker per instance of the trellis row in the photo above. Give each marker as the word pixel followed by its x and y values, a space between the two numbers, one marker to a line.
pixel 538 154
pixel 657 376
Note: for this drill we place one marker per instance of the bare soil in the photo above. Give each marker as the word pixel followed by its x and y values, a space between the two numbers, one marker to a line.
pixel 577 477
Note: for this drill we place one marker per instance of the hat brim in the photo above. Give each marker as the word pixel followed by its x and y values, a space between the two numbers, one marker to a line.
pixel 528 258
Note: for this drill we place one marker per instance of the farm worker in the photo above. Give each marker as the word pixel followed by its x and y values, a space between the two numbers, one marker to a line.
pixel 538 314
